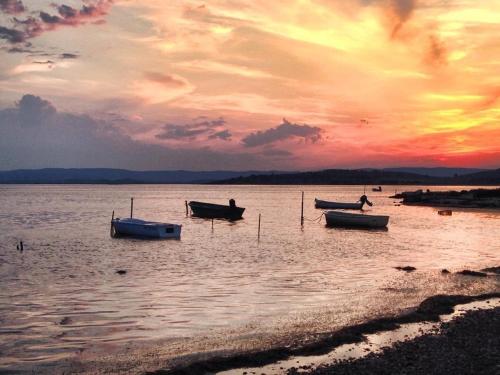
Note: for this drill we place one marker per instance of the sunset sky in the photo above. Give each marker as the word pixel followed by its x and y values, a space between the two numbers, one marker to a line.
pixel 240 84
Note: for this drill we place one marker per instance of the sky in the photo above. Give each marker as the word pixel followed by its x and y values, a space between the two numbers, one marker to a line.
pixel 240 84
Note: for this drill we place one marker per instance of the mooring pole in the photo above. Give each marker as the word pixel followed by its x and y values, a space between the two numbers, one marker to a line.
pixel 111 227
pixel 21 246
pixel 302 211
pixel 131 207
pixel 187 209
pixel 212 224
pixel 258 233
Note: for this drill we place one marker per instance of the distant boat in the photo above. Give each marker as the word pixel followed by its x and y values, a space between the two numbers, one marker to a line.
pixel 377 188
pixel 344 219
pixel 318 203
pixel 146 229
pixel 216 211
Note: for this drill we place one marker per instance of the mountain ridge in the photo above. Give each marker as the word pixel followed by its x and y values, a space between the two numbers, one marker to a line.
pixel 402 175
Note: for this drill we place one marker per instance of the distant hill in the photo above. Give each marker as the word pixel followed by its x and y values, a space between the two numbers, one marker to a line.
pixel 365 177
pixel 437 172
pixel 490 177
pixel 115 176
pixel 326 177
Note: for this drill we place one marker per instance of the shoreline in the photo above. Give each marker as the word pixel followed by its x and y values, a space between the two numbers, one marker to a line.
pixel 468 344
pixel 428 310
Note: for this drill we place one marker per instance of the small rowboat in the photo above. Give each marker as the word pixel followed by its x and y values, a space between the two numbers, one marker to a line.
pixel 216 211
pixel 344 219
pixel 146 229
pixel 318 203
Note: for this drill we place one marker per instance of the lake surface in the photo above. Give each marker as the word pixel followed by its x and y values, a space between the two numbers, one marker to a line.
pixel 62 297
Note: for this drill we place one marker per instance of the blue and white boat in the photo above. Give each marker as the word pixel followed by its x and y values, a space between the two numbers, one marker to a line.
pixel 145 229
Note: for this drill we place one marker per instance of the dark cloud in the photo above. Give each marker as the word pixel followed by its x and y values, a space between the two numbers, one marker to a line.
pixel 66 11
pixel 33 134
pixel 223 134
pixel 47 18
pixel 12 6
pixel 281 132
pixel 399 12
pixel 212 129
pixel 32 26
pixel 11 35
pixel 68 56
pixel 403 10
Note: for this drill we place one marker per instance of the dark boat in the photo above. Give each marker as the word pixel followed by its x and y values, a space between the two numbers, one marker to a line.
pixel 318 203
pixel 216 211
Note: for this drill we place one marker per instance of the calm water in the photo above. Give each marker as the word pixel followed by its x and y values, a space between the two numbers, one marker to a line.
pixel 61 296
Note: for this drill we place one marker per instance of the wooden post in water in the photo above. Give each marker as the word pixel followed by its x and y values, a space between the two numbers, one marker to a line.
pixel 212 224
pixel 187 209
pixel 302 211
pixel 131 207
pixel 111 227
pixel 258 233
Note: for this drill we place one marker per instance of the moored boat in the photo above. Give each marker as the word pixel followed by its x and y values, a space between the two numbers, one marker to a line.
pixel 216 211
pixel 344 219
pixel 147 229
pixel 318 203
pixel 377 188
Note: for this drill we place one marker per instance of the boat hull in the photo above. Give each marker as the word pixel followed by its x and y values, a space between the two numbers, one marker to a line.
pixel 337 205
pixel 145 229
pixel 347 220
pixel 215 211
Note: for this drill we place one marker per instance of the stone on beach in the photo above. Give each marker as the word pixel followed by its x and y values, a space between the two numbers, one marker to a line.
pixel 406 268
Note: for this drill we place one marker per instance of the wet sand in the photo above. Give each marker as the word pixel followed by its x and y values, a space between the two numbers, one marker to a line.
pixel 469 344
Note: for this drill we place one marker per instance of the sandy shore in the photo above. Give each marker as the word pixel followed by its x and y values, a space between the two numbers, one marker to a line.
pixel 469 344
pixel 480 325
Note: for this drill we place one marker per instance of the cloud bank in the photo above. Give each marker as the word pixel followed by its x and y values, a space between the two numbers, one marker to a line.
pixel 284 131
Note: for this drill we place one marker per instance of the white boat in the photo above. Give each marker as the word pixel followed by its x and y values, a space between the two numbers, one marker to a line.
pixel 145 229
pixel 344 219
pixel 318 203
